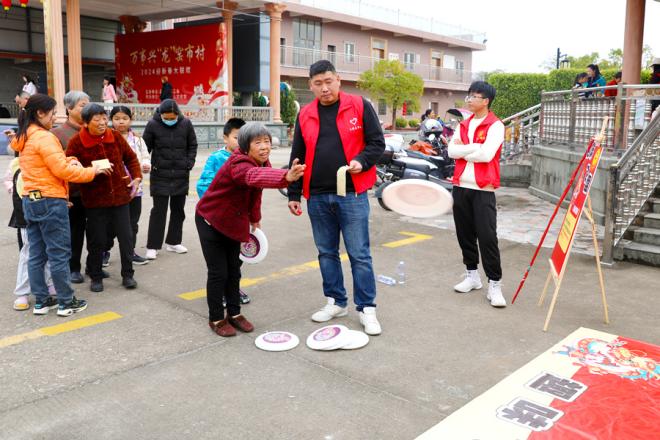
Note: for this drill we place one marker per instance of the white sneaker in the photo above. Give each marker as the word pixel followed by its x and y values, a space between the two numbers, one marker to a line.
pixel 178 248
pixel 471 281
pixel 329 311
pixel 369 321
pixel 495 294
pixel 151 254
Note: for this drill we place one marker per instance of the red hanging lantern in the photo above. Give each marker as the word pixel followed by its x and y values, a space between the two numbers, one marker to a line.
pixel 24 3
pixel 6 4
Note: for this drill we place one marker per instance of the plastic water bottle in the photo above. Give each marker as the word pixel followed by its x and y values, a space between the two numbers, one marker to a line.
pixel 401 272
pixel 386 280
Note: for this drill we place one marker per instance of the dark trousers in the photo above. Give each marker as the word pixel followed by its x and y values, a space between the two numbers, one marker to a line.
pixel 475 216
pixel 98 221
pixel 223 270
pixel 77 223
pixel 134 211
pixel 158 217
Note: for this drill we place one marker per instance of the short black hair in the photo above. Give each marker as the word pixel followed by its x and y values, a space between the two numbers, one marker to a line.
pixel 484 89
pixel 321 66
pixel 232 124
pixel 619 74
pixel 121 109
pixel 91 110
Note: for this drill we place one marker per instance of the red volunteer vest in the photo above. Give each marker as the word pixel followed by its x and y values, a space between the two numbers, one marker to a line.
pixel 484 173
pixel 351 132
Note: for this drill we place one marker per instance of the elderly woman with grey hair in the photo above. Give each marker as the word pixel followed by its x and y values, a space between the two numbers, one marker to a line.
pixel 74 101
pixel 224 216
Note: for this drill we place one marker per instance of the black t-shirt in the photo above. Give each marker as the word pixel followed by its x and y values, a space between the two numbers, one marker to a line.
pixel 329 155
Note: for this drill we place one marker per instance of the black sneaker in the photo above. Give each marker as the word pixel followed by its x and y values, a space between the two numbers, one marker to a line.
pixel 77 278
pixel 42 308
pixel 106 259
pixel 138 260
pixel 96 286
pixel 129 282
pixel 76 305
pixel 245 299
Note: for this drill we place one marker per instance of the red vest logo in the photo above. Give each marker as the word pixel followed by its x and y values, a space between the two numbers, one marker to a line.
pixel 354 123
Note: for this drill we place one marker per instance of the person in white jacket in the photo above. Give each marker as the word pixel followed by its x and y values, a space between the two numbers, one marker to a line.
pixel 122 117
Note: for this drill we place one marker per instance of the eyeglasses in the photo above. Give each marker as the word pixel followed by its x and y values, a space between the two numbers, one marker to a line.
pixel 471 97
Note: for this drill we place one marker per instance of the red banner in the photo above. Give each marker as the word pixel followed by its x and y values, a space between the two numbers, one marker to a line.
pixel 192 58
pixel 572 218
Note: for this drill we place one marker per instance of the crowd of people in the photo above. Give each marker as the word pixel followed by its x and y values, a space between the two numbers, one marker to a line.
pixel 83 180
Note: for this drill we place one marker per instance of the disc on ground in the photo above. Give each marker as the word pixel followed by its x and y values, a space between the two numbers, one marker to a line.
pixel 276 341
pixel 255 249
pixel 330 337
pixel 417 198
pixel 358 339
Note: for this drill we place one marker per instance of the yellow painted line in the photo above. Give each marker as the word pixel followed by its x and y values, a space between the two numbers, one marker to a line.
pixel 414 238
pixel 53 330
pixel 247 282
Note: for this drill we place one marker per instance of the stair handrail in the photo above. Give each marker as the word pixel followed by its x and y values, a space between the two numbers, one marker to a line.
pixel 632 180
pixel 526 122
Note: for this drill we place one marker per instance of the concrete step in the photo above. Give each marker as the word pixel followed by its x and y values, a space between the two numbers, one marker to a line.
pixel 647 235
pixel 642 253
pixel 652 220
pixel 655 205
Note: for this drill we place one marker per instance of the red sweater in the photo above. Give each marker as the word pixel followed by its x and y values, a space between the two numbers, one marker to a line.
pixel 105 191
pixel 233 199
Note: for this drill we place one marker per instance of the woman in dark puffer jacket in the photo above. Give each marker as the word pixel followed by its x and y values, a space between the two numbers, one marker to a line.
pixel 171 140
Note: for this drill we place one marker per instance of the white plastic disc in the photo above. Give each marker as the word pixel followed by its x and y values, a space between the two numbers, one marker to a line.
pixel 330 337
pixel 255 249
pixel 276 341
pixel 357 340
pixel 417 198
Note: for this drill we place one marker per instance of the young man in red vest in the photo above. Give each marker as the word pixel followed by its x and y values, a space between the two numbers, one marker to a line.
pixel 335 130
pixel 476 146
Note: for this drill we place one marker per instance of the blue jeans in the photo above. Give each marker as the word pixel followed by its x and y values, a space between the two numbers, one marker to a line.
pixel 49 235
pixel 331 214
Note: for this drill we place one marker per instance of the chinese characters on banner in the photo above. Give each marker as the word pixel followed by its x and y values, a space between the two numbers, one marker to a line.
pixel 192 58
pixel 591 385
pixel 580 193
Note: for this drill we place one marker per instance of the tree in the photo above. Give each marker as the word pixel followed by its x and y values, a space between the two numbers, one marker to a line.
pixel 288 109
pixel 390 81
pixel 647 56
pixel 583 61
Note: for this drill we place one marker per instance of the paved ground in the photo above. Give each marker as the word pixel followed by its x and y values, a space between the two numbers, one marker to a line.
pixel 146 365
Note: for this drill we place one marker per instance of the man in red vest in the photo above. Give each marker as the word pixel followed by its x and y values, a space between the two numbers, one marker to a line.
pixel 476 146
pixel 335 130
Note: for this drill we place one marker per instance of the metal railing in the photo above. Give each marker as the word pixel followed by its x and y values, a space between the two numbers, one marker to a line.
pixel 568 117
pixel 12 107
pixel 632 180
pixel 345 62
pixel 145 112
pixel 374 11
pixel 521 132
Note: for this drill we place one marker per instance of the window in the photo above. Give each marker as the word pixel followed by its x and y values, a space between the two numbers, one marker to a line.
pixel 282 50
pixel 410 59
pixel 332 53
pixel 436 64
pixel 382 107
pixel 378 48
pixel 306 41
pixel 349 52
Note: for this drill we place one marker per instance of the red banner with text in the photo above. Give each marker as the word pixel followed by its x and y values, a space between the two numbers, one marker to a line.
pixel 571 220
pixel 192 59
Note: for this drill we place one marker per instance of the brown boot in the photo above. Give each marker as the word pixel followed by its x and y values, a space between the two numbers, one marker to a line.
pixel 241 323
pixel 223 328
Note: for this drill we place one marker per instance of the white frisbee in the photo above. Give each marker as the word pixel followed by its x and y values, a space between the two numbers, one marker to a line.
pixel 276 341
pixel 358 340
pixel 417 198
pixel 255 249
pixel 330 337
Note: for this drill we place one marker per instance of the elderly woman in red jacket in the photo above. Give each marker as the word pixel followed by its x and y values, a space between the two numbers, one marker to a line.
pixel 107 198
pixel 224 216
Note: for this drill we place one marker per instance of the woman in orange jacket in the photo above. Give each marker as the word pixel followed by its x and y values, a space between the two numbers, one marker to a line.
pixel 46 171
